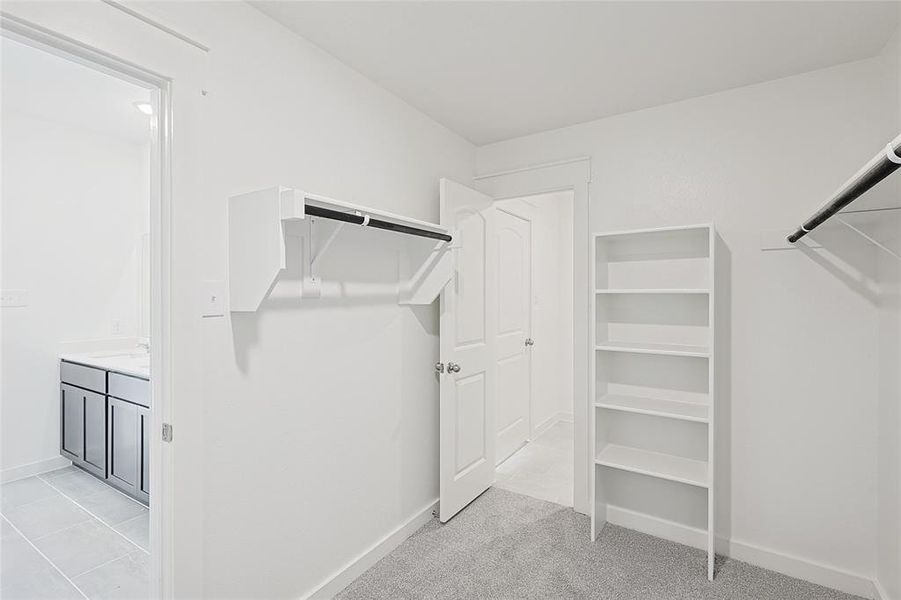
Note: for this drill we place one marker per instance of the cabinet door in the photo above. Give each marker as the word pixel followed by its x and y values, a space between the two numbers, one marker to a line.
pixel 123 423
pixel 145 432
pixel 71 439
pixel 95 433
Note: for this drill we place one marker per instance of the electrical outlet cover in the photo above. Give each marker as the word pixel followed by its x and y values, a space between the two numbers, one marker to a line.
pixel 13 298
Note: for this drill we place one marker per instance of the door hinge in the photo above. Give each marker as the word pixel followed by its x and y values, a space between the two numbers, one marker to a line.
pixel 167 432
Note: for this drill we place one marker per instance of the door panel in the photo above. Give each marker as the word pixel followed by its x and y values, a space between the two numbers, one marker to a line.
pixel 95 433
pixel 144 436
pixel 467 328
pixel 123 444
pixel 72 433
pixel 470 400
pixel 514 290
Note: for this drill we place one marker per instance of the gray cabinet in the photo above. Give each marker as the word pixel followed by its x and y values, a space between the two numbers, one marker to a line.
pixel 105 426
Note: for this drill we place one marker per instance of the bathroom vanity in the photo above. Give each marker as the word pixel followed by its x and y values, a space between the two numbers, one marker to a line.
pixel 105 418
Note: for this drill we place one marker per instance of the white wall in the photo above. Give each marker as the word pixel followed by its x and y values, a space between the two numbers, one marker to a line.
pixel 74 205
pixel 552 312
pixel 319 418
pixel 797 469
pixel 888 230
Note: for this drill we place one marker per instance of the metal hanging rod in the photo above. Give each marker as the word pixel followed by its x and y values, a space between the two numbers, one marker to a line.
pixel 367 221
pixel 881 166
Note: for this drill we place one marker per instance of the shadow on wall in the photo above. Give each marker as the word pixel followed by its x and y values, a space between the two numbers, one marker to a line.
pixel 847 255
pixel 723 388
pixel 362 268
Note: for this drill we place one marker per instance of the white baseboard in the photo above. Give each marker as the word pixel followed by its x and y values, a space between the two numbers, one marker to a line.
pixel 881 593
pixel 668 530
pixel 793 566
pixel 340 579
pixel 801 568
pixel 560 417
pixel 36 468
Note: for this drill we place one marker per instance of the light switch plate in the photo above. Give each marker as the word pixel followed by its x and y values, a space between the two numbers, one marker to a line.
pixel 213 299
pixel 13 298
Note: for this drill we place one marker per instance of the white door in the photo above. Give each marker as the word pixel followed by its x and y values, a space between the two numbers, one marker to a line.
pixel 468 335
pixel 514 296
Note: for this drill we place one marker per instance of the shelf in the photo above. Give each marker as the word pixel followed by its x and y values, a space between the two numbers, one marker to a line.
pixel 651 291
pixel 645 348
pixel 654 464
pixel 671 409
pixel 258 245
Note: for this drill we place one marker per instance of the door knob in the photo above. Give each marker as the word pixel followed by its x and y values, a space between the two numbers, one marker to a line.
pixel 439 366
pixel 453 367
pixel 530 342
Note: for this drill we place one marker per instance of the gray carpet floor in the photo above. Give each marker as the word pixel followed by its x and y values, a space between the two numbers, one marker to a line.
pixel 509 546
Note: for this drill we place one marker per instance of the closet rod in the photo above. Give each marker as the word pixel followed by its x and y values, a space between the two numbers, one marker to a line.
pixel 359 219
pixel 881 166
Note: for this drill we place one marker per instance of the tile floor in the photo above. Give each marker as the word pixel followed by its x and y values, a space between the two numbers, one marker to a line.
pixel 543 468
pixel 65 534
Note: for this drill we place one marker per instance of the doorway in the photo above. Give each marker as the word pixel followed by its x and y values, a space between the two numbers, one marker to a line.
pixel 81 283
pixel 534 395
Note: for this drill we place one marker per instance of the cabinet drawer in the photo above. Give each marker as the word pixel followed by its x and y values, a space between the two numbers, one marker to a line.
pixel 82 376
pixel 129 388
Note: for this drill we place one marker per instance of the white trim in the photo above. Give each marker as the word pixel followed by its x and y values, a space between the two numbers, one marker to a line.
pixel 800 568
pixel 793 566
pixel 346 575
pixel 560 417
pixel 35 468
pixel 555 163
pixel 565 417
pixel 880 592
pixel 657 527
pixel 142 14
pixel 604 234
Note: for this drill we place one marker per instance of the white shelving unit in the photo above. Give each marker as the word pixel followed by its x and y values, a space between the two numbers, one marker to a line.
pixel 258 233
pixel 652 427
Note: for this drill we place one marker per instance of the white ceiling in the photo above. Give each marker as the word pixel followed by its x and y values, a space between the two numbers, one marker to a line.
pixel 45 86
pixel 495 70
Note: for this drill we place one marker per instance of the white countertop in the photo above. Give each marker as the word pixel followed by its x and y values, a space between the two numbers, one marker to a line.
pixel 128 362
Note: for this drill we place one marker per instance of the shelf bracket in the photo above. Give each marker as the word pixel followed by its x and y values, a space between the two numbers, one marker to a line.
pixel 869 238
pixel 435 272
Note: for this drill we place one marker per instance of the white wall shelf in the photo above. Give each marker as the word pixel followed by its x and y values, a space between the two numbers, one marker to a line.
pixel 671 409
pixel 654 464
pixel 652 291
pixel 257 246
pixel 662 349
pixel 652 381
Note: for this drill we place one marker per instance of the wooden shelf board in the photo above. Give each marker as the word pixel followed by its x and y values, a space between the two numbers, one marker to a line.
pixel 672 409
pixel 646 348
pixel 652 291
pixel 654 464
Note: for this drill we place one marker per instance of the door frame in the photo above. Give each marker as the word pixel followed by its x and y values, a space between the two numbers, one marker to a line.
pixel 573 175
pixel 161 463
